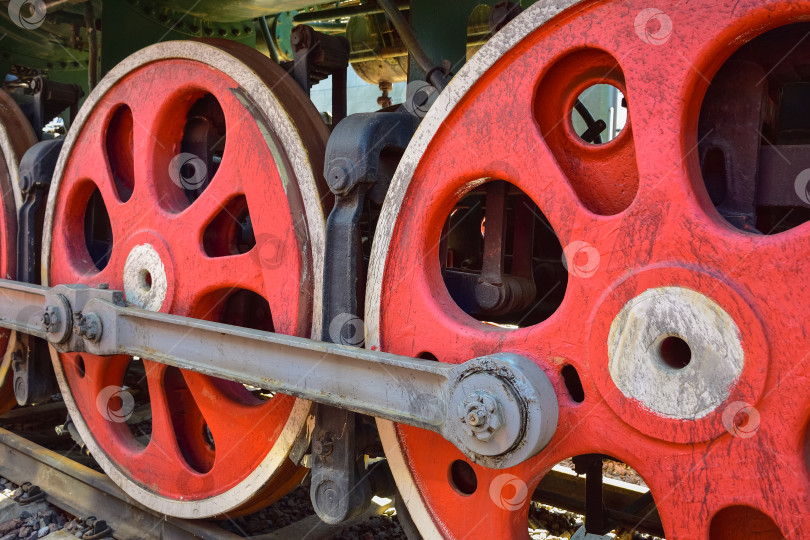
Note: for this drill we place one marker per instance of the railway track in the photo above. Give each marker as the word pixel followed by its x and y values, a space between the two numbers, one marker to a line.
pixel 81 491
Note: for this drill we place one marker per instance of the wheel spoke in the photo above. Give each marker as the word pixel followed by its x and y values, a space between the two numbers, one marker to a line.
pixel 163 440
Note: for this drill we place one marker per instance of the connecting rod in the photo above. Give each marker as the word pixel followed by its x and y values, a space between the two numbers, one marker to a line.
pixel 499 409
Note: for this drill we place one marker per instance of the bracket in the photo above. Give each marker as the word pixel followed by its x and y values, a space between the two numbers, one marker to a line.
pixel 356 169
pixel 316 56
pixel 33 375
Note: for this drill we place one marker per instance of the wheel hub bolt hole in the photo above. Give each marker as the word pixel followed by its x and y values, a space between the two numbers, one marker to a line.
pixel 674 352
pixel 462 477
pixel 145 279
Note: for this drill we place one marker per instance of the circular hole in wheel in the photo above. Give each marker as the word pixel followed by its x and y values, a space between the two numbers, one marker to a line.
pixel 599 114
pixel 500 260
pixel 191 147
pixel 462 477
pixel 120 154
pixel 139 419
pixel 741 522
pixel 754 131
pixel 238 307
pixel 145 280
pixel 230 232
pixel 585 122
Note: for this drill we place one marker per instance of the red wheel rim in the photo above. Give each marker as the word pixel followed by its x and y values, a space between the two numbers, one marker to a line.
pixel 639 201
pixel 179 471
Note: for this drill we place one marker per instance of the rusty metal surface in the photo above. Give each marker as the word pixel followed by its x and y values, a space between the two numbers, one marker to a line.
pixel 84 492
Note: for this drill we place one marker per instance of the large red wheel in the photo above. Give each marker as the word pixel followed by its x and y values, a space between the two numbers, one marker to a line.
pixel 191 180
pixel 721 438
pixel 16 136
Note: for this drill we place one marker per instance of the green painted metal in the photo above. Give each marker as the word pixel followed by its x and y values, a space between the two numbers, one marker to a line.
pixel 59 42
pixel 130 25
pixel 59 45
pixel 441 28
pixel 280 29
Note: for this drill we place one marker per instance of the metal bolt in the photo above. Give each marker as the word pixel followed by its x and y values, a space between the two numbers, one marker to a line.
pixel 322 447
pixel 49 319
pixel 87 326
pixel 477 417
pixel 338 178
pixel 481 415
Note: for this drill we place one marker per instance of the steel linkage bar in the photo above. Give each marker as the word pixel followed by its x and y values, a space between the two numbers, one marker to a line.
pixel 499 409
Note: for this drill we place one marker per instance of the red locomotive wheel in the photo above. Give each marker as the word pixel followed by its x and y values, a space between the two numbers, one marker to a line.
pixel 689 336
pixel 191 180
pixel 16 136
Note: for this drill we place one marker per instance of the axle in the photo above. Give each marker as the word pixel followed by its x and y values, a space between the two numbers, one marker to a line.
pixel 499 409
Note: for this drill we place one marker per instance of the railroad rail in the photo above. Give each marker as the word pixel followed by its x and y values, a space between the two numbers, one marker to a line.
pixel 82 491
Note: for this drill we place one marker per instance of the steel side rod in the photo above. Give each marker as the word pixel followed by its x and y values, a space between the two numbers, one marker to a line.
pixel 522 411
pixel 377 384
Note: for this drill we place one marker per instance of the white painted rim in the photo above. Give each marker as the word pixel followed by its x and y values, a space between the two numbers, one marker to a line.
pixel 501 43
pixel 279 120
pixel 12 155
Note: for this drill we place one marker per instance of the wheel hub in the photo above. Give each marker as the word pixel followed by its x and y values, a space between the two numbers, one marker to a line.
pixel 675 351
pixel 145 282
